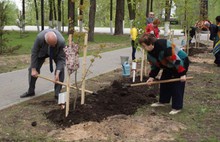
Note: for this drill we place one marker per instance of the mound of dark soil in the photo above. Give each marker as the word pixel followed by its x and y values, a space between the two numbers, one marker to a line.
pixel 201 49
pixel 112 100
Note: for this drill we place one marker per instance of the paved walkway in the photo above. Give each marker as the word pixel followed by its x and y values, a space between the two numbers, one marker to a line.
pixel 15 83
pixel 97 29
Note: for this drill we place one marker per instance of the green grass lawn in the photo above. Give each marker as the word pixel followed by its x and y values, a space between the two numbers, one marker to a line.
pixel 27 39
pixel 20 58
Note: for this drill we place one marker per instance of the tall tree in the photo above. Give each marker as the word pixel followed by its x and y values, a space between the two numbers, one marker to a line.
pixel 23 15
pixel 62 15
pixel 204 9
pixel 55 13
pixel 59 14
pixel 3 19
pixel 37 17
pixel 42 14
pixel 151 5
pixel 119 17
pixel 168 4
pixel 168 10
pixel 147 7
pixel 111 7
pixel 71 16
pixel 81 16
pixel 131 9
pixel 92 11
pixel 51 13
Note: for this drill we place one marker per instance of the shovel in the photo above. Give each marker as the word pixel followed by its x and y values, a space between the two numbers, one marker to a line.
pixel 156 82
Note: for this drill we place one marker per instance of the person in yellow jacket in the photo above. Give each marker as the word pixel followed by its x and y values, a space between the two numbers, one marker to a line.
pixel 133 35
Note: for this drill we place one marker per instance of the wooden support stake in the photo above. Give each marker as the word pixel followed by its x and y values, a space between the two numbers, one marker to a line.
pixel 61 83
pixel 67 95
pixel 196 36
pixel 142 64
pixel 172 35
pixel 84 68
pixel 70 38
pixel 145 65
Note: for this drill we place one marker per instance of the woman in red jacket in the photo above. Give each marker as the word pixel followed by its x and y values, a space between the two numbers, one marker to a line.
pixel 152 28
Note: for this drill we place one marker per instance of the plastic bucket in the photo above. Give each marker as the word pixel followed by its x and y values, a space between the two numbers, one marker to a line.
pixel 134 65
pixel 62 98
pixel 124 59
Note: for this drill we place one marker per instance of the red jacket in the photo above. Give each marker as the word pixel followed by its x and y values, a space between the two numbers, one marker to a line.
pixel 150 27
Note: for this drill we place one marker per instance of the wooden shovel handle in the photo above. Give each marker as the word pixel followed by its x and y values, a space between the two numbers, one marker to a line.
pixel 61 83
pixel 161 81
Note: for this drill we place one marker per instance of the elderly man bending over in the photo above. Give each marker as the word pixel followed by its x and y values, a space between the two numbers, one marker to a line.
pixel 49 43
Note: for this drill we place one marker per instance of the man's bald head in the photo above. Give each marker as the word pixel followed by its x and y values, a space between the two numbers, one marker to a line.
pixel 51 38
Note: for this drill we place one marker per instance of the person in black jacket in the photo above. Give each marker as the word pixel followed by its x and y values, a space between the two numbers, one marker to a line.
pixel 213 32
pixel 216 49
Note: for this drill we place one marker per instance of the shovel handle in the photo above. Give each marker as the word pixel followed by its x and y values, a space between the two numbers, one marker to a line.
pixel 61 83
pixel 161 81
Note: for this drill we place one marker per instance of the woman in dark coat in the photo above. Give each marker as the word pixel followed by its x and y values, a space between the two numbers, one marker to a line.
pixel 162 54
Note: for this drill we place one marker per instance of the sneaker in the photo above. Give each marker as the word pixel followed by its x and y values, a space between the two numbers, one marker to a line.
pixel 174 111
pixel 158 104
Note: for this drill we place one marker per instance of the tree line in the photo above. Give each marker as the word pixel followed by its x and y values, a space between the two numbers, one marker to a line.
pixel 113 13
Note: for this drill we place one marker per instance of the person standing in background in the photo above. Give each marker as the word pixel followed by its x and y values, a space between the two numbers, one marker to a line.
pixel 216 49
pixel 133 35
pixel 152 28
pixel 150 18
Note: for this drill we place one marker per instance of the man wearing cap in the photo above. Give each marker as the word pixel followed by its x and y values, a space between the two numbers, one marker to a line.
pixel 49 43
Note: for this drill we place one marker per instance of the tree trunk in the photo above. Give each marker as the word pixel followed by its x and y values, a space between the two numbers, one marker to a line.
pixel 147 7
pixel 131 9
pixel 55 13
pixel 81 16
pixel 111 27
pixel 62 15
pixel 92 11
pixel 71 15
pixel 151 5
pixel 42 15
pixel 51 13
pixel 119 17
pixel 168 10
pixel 23 16
pixel 59 15
pixel 204 9
pixel 37 17
pixel 167 17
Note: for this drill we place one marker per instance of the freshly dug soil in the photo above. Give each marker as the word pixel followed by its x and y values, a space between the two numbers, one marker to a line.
pixel 115 99
pixel 111 100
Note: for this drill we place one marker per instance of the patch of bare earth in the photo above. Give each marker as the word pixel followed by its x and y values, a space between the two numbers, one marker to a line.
pixel 124 128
